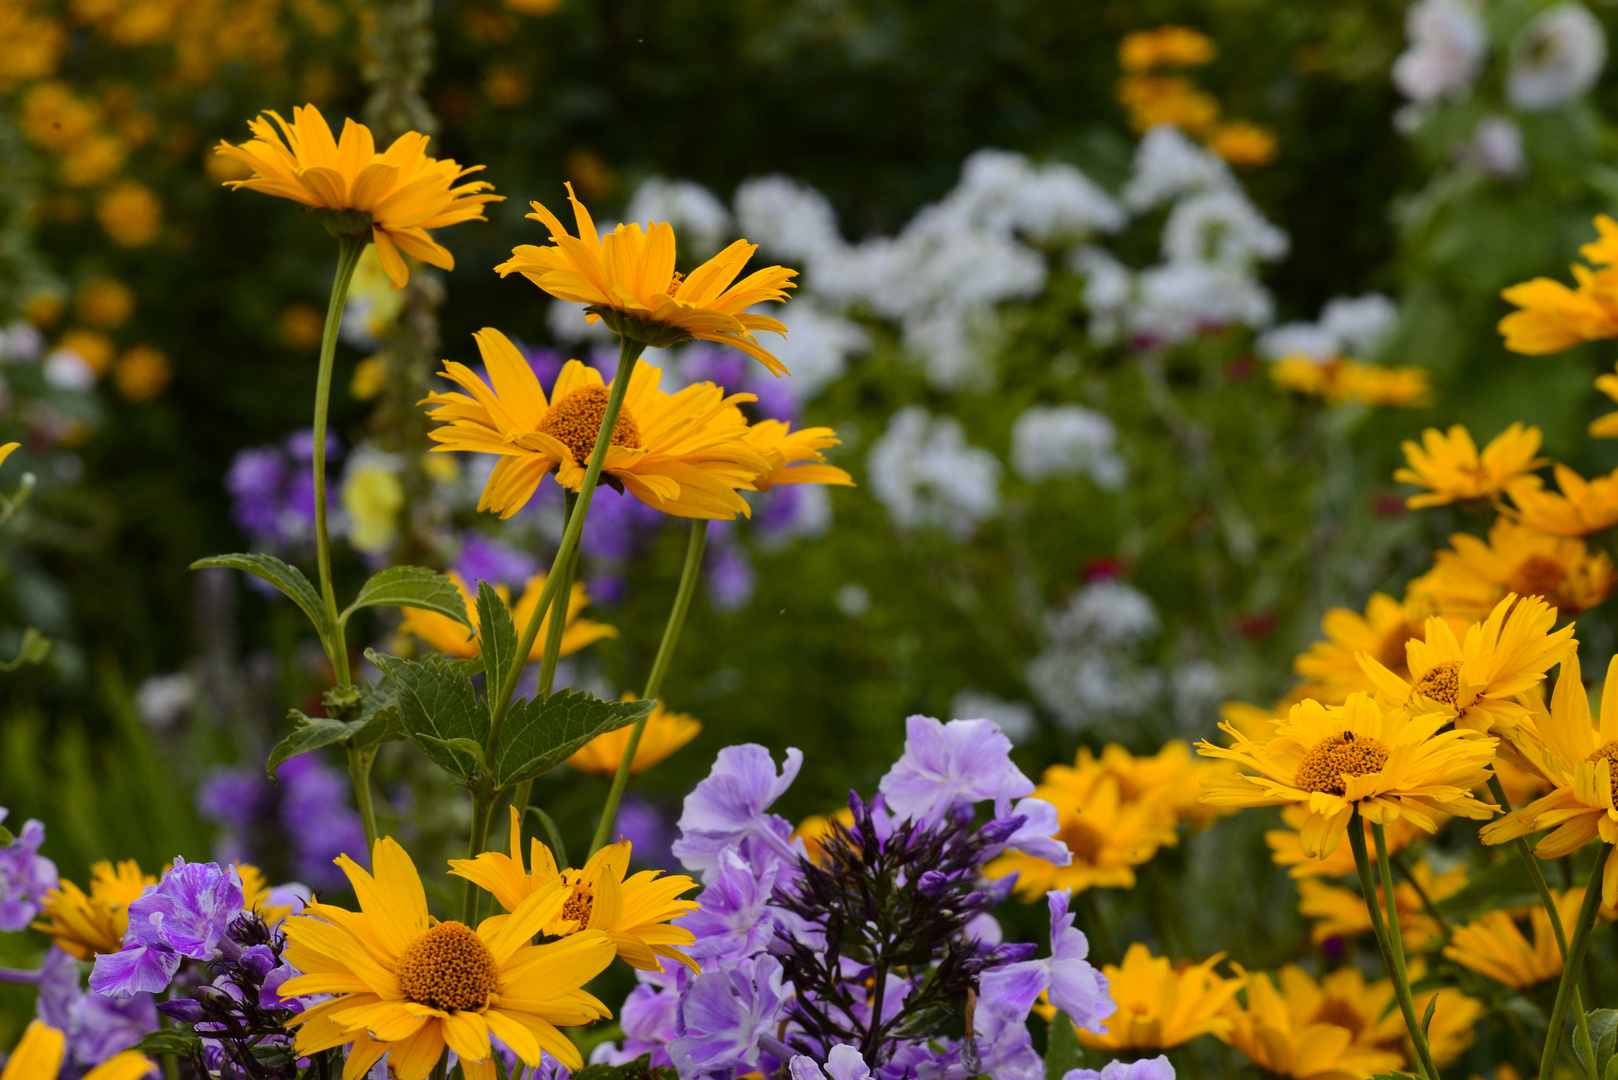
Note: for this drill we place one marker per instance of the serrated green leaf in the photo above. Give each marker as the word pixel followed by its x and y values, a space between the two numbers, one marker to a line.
pixel 437 706
pixel 379 720
pixel 497 635
pixel 1062 1053
pixel 540 735
pixel 177 1040
pixel 289 579
pixel 460 746
pixel 311 734
pixel 1603 1035
pixel 411 586
pixel 33 650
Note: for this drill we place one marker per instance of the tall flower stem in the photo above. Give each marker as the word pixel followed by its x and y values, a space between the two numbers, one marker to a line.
pixel 1391 959
pixel 654 681
pixel 1567 990
pixel 523 792
pixel 1531 864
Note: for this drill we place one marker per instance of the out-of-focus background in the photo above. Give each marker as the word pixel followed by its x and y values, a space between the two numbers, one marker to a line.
pixel 1045 290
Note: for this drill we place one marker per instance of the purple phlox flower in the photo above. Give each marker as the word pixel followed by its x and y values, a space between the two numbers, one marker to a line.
pixel 730 577
pixel 255 481
pixel 735 917
pixel 844 1063
pixel 95 1027
pixel 317 818
pixel 235 798
pixel 25 876
pixel 776 401
pixel 777 509
pixel 1075 986
pixel 615 522
pixel 725 1014
pixel 649 1018
pixel 301 445
pixel 729 808
pixel 649 833
pixel 1157 1068
pixel 546 363
pixel 483 559
pixel 1031 829
pixel 984 929
pixel 607 589
pixel 946 767
pixel 183 916
pixel 293 894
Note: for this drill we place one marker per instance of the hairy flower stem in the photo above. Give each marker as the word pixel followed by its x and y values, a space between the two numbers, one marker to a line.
pixel 1391 959
pixel 333 637
pixel 654 681
pixel 1531 864
pixel 1567 990
pixel 523 792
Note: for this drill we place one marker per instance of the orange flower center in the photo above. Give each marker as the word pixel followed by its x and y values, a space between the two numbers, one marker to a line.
pixel 1537 575
pixel 575 420
pixel 579 905
pixel 448 968
pixel 1323 767
pixel 1339 1012
pixel 1442 683
pixel 1607 752
pixel 1083 839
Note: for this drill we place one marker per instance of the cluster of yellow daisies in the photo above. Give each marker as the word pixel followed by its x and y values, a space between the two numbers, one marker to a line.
pixel 1154 93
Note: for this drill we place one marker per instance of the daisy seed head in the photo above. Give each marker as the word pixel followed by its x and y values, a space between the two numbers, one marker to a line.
pixel 450 968
pixel 576 418
pixel 1441 683
pixel 1323 767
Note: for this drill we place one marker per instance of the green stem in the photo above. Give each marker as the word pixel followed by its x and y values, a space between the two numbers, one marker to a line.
pixel 654 681
pixel 359 768
pixel 1394 962
pixel 482 812
pixel 1567 990
pixel 558 616
pixel 1535 874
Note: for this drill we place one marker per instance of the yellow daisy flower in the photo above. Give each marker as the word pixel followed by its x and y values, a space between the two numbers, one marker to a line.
pixel 407 985
pixel 814 829
pixel 1583 507
pixel 404 191
pixel 1164 46
pixel 1451 469
pixel 1453 1027
pixel 795 456
pixel 628 278
pixel 1472 578
pixel 1575 755
pixel 1345 380
pixel 684 453
pixel 1301 1031
pixel 666 732
pixel 1606 427
pixel 1108 834
pixel 1554 317
pixel 1474 680
pixel 1494 944
pixel 450 637
pixel 38 1056
pixel 1382 631
pixel 84 924
pixel 1160 1005
pixel 1286 845
pixel 1166 99
pixel 633 912
pixel 1170 779
pixel 1336 759
pixel 1340 912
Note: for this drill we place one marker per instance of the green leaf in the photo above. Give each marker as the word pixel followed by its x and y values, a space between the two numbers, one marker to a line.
pixel 289 579
pixel 438 706
pixel 464 747
pixel 1499 885
pixel 498 634
pixel 540 735
pixel 5 837
pixel 558 848
pixel 411 586
pixel 1062 1053
pixel 1427 1018
pixel 379 718
pixel 310 734
pixel 1603 1036
pixel 32 651
pixel 177 1040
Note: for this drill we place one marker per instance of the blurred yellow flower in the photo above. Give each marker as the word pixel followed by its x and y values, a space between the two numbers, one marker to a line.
pixel 1606 427
pixel 794 456
pixel 665 733
pixel 1286 845
pixel 370 379
pixel 105 303
pixel 1302 1031
pixel 1162 1005
pixel 1451 468
pixel 1472 578
pixel 1475 680
pixel 1495 945
pixel 54 117
pixel 96 349
pixel 1345 380
pixel 404 191
pixel 1342 758
pixel 684 453
pixel 93 160
pixel 1242 143
pixel 1583 507
pixel 372 496
pixel 142 373
pixel 38 1056
pixel 1171 779
pixel 44 309
pixel 1164 46
pixel 450 637
pixel 302 326
pixel 1166 99
pixel 1454 1024
pixel 1382 632
pixel 34 42
pixel 1554 317
pixel 1341 912
pixel 84 924
pixel 130 214
pixel 813 829
pixel 628 277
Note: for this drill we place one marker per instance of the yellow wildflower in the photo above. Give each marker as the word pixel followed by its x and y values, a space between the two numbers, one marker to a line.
pixel 1242 143
pixel 105 304
pixel 1606 427
pixel 1382 632
pixel 794 456
pixel 1344 380
pixel 451 638
pixel 1495 945
pixel 84 924
pixel 1554 317
pixel 142 373
pixel 1301 1031
pixel 1583 507
pixel 1451 468
pixel 665 733
pixel 1475 575
pixel 1164 46
pixel 38 1056
pixel 1166 99
pixel 1161 1005
pixel 130 214
pixel 1286 845
pixel 1339 912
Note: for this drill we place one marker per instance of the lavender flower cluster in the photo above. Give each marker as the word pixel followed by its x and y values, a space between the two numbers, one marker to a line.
pixel 272 492
pixel 306 811
pixel 860 961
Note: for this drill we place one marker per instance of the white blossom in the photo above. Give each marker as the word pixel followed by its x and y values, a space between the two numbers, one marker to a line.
pixel 1447 45
pixel 1168 166
pixel 789 219
pixel 568 325
pixel 163 699
pixel 67 370
pixel 20 342
pixel 1177 301
pixel 1360 323
pixel 1557 57
pixel 700 220
pixel 1220 227
pixel 1015 718
pixel 1496 147
pixel 1298 338
pixel 1089 671
pixel 927 475
pixel 1049 441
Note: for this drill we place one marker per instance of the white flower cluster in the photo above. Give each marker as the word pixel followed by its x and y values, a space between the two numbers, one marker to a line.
pixel 1348 327
pixel 700 220
pixel 1090 671
pixel 1212 242
pixel 927 475
pixel 1058 441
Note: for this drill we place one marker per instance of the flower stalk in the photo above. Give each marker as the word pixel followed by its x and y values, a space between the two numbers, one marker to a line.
pixel 1567 990
pixel 654 681
pixel 1388 938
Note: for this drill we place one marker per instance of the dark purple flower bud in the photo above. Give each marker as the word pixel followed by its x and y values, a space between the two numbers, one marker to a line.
pixel 258 961
pixel 184 1010
pixel 932 883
